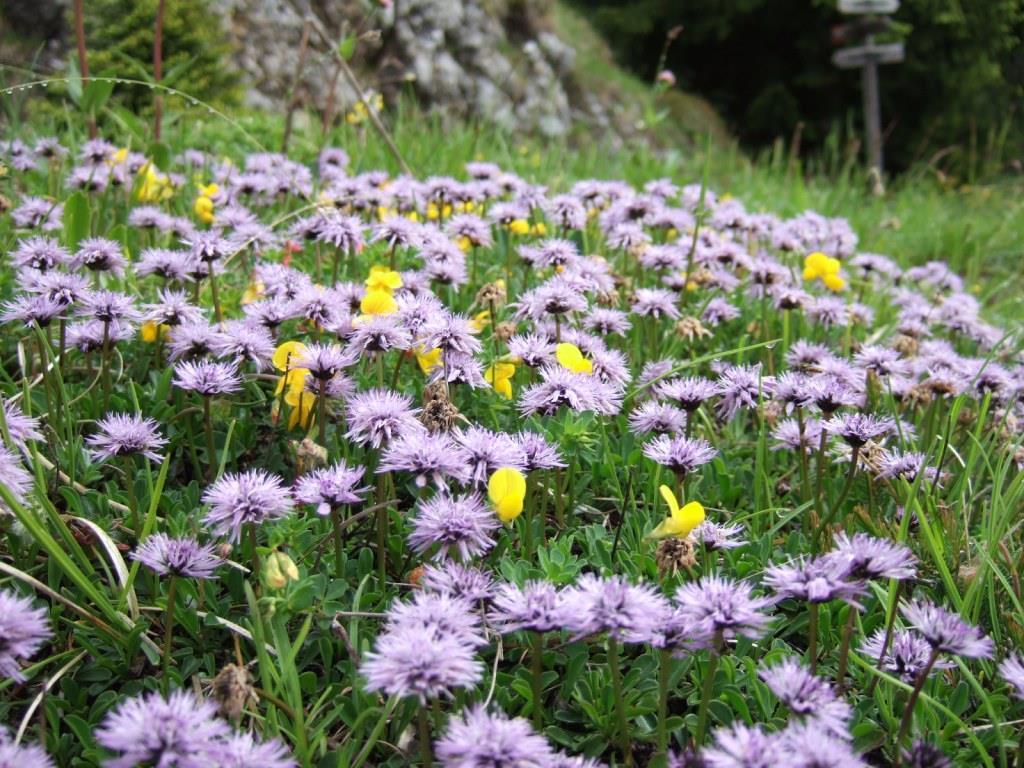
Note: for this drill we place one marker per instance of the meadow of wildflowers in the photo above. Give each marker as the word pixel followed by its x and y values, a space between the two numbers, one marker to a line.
pixel 311 464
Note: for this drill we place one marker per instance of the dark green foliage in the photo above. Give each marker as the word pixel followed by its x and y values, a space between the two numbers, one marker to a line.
pixel 120 39
pixel 765 64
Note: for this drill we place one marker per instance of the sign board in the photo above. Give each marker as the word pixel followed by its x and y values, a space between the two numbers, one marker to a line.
pixel 859 55
pixel 868 6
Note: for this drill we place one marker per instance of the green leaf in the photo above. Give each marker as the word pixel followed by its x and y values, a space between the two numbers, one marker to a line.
pixel 347 47
pixel 96 94
pixel 76 219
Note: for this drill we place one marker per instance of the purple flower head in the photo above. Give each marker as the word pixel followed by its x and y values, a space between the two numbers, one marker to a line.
pixel 533 349
pixel 243 341
pixel 31 309
pixel 722 608
pixel 459 581
pixel 487 451
pixel 191 340
pixel 630 613
pixel 946 632
pixel 607 322
pixel 206 378
pixel 461 524
pixel 478 739
pixel 39 253
pixel 239 498
pixel 808 745
pixel 342 232
pixel 473 228
pixel 178 557
pixel 173 308
pixel 740 387
pixel 818 580
pixel 21 755
pixel 179 731
pixel 788 435
pixel 557 296
pixel 148 217
pixel 908 465
pixel 23 630
pixel 323 361
pixel 37 212
pixel 126 434
pixel 538 453
pixel 906 656
pixel 560 386
pixel 430 457
pixel 687 392
pixel 451 333
pixel 1012 671
pixel 91 335
pixel 716 536
pixel 61 287
pixel 868 557
pixel 739 746
pixel 659 418
pixel 719 311
pixel 331 487
pixel 654 302
pixel 808 697
pixel 241 750
pixel 100 255
pixel 14 477
pixel 921 754
pixel 791 390
pixel 208 246
pixel 378 416
pixel 680 454
pixel 537 606
pixel 857 428
pixel 109 306
pixel 20 427
pixel 830 393
pixel 168 264
pixel 374 334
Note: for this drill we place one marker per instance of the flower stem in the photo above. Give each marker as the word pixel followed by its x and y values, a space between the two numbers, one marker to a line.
pixel 890 621
pixel 908 712
pixel 664 667
pixel 211 453
pixel 216 297
pixel 168 631
pixel 382 543
pixel 820 475
pixel 536 670
pixel 707 689
pixel 844 647
pixel 322 413
pixel 423 718
pixel 339 540
pixel 812 636
pixel 254 555
pixel 834 509
pixel 621 725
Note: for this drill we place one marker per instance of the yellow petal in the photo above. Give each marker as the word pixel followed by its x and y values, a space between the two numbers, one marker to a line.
pixel 505 485
pixel 378 302
pixel 428 361
pixel 670 499
pixel 509 509
pixel 687 518
pixel 569 356
pixel 287 353
pixel 833 282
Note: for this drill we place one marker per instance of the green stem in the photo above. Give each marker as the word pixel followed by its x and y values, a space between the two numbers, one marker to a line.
pixel 908 712
pixel 382 543
pixel 812 636
pixel 168 632
pixel 889 623
pixel 844 647
pixel 423 718
pixel 254 555
pixel 322 413
pixel 211 453
pixel 707 689
pixel 621 724
pixel 339 541
pixel 129 475
pixel 536 670
pixel 216 296
pixel 664 668
pixel 822 528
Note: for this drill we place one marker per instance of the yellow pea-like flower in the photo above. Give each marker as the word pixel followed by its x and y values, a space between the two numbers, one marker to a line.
pixel 519 226
pixel 681 520
pixel 569 356
pixel 507 489
pixel 499 376
pixel 303 404
pixel 383 279
pixel 287 353
pixel 428 359
pixel 203 209
pixel 377 302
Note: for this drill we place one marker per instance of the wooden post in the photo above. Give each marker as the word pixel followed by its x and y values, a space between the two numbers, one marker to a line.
pixel 872 113
pixel 83 62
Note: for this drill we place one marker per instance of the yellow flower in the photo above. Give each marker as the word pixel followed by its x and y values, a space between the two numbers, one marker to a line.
pixel 383 279
pixel 118 157
pixel 279 569
pixel 681 520
pixel 428 360
pixel 253 292
pixel 464 243
pixel 203 209
pixel 295 380
pixel 519 226
pixel 412 216
pixel 481 320
pixel 569 356
pixel 833 282
pixel 507 490
pixel 286 354
pixel 209 190
pixel 499 376
pixel 151 331
pixel 540 228
pixel 378 302
pixel 819 266
pixel 302 404
pixel 154 186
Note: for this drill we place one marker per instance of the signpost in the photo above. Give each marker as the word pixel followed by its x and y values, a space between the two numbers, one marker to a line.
pixel 867 56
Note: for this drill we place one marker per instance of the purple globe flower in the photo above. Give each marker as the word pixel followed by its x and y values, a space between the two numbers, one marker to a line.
pixel 688 392
pixel 331 487
pixel 21 755
pixel 206 378
pixel 463 524
pixel 478 739
pixel 808 697
pixel 487 451
pixel 184 556
pixel 906 656
pixel 100 255
pixel 431 458
pixel 14 477
pixel 818 580
pixel 459 581
pixel 177 731
pixel 23 630
pixel 242 750
pixel 946 632
pixel 537 606
pixel 126 434
pixel 680 454
pixel 739 746
pixel 538 453
pixel 20 427
pixel 857 428
pixel 378 416
pixel 1012 671
pixel 630 613
pixel 252 497
pixel 722 609
pixel 868 557
pixel 659 418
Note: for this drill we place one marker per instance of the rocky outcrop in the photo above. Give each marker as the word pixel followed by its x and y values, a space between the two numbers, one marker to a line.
pixel 491 60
